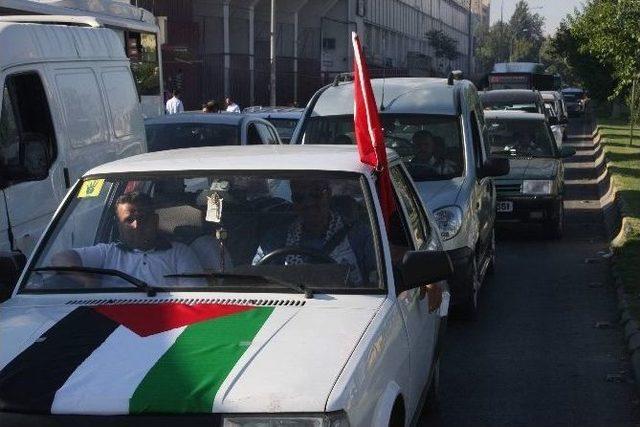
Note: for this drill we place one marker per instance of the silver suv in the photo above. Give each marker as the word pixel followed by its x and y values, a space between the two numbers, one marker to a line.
pixel 437 127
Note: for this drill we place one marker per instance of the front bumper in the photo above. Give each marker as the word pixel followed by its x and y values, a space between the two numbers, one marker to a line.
pixel 530 209
pixel 461 284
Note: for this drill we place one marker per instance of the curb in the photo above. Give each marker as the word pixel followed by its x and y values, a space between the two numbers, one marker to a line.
pixel 631 327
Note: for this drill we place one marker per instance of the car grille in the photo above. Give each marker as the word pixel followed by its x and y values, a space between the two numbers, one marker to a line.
pixel 508 189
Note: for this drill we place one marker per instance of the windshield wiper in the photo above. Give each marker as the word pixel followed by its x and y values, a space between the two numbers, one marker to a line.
pixel 150 290
pixel 308 293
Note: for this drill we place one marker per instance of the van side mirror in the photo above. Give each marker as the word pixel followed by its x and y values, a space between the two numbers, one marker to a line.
pixel 423 267
pixel 553 121
pixel 11 265
pixel 494 166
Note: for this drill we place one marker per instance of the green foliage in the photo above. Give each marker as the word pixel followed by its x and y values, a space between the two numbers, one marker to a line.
pixel 444 46
pixel 495 45
pixel 526 32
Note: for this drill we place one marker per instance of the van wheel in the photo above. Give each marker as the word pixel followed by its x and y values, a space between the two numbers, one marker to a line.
pixel 469 308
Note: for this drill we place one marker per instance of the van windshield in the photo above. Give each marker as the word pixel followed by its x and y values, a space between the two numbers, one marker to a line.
pixel 430 146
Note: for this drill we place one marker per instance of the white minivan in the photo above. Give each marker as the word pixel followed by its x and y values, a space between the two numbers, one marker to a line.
pixel 68 103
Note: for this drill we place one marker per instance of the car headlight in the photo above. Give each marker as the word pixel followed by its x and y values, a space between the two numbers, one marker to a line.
pixel 335 419
pixel 449 220
pixel 538 186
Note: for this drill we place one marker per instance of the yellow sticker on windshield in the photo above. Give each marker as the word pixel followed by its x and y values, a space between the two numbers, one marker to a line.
pixel 91 188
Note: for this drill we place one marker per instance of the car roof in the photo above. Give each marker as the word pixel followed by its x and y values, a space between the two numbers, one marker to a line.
pixel 513 115
pixel 518 95
pixel 407 95
pixel 294 114
pixel 254 157
pixel 198 117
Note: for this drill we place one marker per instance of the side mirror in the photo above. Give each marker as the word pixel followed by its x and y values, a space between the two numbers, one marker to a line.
pixel 11 265
pixel 495 166
pixel 553 121
pixel 423 267
pixel 567 152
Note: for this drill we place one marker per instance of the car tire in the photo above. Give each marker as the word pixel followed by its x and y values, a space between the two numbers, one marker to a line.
pixel 555 227
pixel 469 308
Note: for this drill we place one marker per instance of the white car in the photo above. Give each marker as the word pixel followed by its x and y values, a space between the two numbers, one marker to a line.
pixel 228 286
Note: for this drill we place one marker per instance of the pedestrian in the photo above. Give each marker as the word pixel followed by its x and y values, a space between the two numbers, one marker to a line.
pixel 211 107
pixel 232 107
pixel 174 105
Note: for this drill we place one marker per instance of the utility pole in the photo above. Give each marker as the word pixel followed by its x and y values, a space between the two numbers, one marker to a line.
pixel 272 55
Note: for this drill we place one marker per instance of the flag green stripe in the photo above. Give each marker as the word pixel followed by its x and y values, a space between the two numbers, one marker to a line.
pixel 187 377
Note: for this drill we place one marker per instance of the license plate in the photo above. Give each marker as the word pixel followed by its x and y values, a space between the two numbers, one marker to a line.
pixel 505 206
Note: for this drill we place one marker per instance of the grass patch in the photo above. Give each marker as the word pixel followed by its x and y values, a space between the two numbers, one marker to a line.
pixel 624 166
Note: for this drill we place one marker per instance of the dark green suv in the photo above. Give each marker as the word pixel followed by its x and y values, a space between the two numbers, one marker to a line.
pixel 533 190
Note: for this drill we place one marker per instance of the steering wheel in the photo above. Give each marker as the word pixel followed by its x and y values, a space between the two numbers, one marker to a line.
pixel 297 250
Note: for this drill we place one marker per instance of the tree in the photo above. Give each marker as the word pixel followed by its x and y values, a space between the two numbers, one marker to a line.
pixel 526 32
pixel 444 46
pixel 494 46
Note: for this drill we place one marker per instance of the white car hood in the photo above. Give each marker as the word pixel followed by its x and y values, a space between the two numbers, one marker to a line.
pixel 89 358
pixel 437 194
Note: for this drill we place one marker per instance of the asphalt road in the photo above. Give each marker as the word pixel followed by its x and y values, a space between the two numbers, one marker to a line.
pixel 535 357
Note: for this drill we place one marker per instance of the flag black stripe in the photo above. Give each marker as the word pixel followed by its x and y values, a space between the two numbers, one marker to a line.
pixel 30 381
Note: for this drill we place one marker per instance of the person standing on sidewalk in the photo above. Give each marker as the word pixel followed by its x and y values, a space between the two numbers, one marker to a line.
pixel 232 107
pixel 174 105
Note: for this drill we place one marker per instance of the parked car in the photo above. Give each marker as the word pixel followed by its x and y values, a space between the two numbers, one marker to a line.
pixel 533 191
pixel 299 334
pixel 557 114
pixel 65 107
pixel 197 129
pixel 574 98
pixel 526 100
pixel 284 119
pixel 437 127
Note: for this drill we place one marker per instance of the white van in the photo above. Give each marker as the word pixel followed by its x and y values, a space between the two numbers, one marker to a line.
pixel 68 103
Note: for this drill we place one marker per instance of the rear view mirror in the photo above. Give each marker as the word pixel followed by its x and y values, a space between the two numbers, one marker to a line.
pixel 494 166
pixel 11 265
pixel 422 268
pixel 567 152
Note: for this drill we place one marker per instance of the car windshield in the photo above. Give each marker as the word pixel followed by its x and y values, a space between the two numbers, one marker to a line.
pixel 519 138
pixel 245 231
pixel 284 127
pixel 168 136
pixel 431 146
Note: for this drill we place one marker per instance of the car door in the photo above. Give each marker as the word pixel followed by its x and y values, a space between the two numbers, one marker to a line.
pixel 414 304
pixel 30 202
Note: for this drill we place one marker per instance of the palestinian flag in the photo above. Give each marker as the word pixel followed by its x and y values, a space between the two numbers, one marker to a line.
pixel 131 358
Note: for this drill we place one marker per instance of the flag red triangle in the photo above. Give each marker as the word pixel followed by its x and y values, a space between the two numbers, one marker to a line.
pixel 150 319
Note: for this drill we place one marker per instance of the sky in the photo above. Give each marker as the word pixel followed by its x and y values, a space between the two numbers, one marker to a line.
pixel 552 10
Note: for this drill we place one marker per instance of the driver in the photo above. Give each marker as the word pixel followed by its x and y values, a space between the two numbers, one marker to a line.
pixel 317 227
pixel 526 144
pixel 140 252
pixel 428 153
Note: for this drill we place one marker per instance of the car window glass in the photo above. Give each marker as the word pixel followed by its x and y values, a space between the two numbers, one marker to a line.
pixel 25 118
pixel 167 136
pixel 520 138
pixel 476 140
pixel 265 134
pixel 298 227
pixel 416 220
pixel 253 136
pixel 431 146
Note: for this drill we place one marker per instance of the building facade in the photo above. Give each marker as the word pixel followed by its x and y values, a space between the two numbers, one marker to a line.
pixel 217 47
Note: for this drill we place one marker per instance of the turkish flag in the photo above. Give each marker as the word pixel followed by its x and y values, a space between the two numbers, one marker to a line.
pixel 368 129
